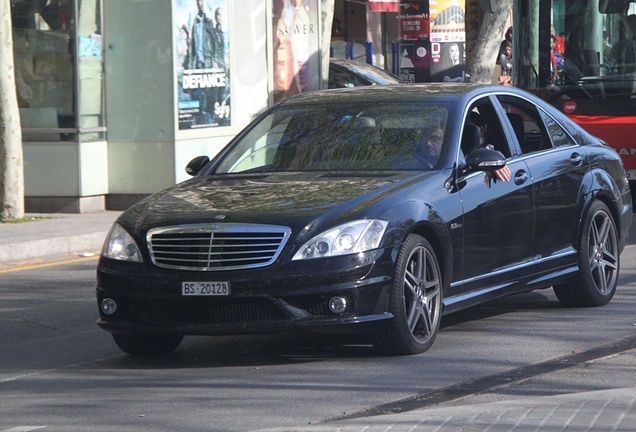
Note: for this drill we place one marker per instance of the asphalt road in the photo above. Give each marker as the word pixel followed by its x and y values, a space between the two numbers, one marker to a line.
pixel 60 372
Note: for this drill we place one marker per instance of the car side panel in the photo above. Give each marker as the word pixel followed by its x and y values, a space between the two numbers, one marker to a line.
pixel 558 175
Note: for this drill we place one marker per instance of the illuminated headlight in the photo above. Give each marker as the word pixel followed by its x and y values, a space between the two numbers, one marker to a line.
pixel 119 245
pixel 353 237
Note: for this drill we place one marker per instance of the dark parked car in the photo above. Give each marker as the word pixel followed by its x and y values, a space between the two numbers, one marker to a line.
pixel 348 73
pixel 371 211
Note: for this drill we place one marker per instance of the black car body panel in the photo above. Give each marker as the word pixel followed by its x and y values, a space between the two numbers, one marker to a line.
pixel 491 238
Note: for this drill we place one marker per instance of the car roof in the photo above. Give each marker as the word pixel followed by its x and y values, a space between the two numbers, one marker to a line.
pixel 427 92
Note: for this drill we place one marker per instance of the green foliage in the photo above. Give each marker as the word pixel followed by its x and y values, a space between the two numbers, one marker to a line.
pixel 5 219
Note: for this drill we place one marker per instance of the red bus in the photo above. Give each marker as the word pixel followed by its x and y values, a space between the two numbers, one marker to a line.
pixel 580 55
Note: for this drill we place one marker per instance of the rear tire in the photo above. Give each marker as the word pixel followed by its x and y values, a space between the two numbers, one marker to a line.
pixel 598 259
pixel 146 344
pixel 416 301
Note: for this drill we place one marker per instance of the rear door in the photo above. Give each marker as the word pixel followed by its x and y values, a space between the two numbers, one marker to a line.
pixel 557 165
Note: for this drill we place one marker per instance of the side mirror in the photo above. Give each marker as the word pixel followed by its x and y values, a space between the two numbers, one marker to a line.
pixel 485 160
pixel 196 165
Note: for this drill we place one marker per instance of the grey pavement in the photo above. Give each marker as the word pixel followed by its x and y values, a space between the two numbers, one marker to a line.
pixel 609 410
pixel 54 234
pixel 598 395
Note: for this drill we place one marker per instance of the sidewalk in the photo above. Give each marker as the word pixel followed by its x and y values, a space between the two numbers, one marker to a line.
pixel 55 234
pixel 594 395
pixel 600 394
pixel 602 411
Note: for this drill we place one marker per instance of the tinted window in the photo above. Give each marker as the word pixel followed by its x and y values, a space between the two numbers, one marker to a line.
pixel 340 79
pixel 483 115
pixel 342 137
pixel 355 74
pixel 558 135
pixel 527 124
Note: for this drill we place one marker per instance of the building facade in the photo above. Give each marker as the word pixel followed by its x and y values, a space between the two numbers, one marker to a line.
pixel 117 96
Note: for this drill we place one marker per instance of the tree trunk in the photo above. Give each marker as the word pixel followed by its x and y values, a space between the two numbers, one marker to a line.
pixel 11 162
pixel 483 38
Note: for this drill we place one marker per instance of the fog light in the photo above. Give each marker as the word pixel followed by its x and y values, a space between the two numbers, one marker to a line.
pixel 338 305
pixel 109 306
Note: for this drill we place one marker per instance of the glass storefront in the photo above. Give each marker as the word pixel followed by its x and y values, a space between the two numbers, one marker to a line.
pixel 58 59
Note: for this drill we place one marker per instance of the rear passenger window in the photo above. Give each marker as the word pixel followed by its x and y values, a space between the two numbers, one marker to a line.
pixel 558 135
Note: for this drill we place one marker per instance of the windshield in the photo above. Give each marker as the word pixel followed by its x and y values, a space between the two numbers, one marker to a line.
pixel 341 137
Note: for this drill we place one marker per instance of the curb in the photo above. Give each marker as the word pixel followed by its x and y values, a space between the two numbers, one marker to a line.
pixel 77 244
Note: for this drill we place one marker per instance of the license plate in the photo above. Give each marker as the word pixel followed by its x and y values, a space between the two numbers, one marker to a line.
pixel 205 288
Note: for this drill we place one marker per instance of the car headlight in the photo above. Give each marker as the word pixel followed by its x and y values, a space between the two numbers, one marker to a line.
pixel 353 237
pixel 119 245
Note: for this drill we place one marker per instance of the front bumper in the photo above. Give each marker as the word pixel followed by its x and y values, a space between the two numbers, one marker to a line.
pixel 288 298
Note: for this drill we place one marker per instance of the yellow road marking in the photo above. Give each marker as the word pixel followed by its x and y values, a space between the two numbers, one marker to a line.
pixel 50 264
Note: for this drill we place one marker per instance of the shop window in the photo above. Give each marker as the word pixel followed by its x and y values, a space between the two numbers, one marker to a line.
pixel 46 40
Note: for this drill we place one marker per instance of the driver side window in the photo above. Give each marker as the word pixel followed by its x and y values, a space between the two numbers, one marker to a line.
pixel 483 116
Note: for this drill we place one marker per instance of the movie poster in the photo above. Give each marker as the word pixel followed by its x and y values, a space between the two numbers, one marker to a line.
pixel 415 47
pixel 448 41
pixel 201 46
pixel 296 48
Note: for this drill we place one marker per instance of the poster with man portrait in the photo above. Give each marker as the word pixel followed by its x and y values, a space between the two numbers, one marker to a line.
pixel 448 41
pixel 202 67
pixel 296 47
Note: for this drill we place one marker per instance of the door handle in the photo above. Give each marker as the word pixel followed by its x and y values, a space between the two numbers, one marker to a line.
pixel 576 159
pixel 520 177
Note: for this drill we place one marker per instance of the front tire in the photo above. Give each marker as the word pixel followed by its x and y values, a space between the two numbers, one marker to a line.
pixel 146 344
pixel 598 259
pixel 416 301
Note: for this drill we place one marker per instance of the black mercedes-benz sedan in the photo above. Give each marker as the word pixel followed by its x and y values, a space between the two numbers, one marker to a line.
pixel 370 211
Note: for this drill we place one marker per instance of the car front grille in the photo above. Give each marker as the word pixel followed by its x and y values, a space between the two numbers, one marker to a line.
pixel 214 247
pixel 217 311
pixel 206 311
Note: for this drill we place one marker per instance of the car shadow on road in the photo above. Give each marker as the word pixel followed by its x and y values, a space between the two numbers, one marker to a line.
pixel 532 301
pixel 295 348
pixel 251 350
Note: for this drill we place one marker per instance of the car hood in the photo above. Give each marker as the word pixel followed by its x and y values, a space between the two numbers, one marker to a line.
pixel 290 199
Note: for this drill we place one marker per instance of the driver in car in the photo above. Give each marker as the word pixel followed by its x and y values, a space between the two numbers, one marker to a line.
pixel 433 145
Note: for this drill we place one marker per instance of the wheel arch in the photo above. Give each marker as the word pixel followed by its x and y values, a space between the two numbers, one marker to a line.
pixel 601 187
pixel 440 241
pixel 421 218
